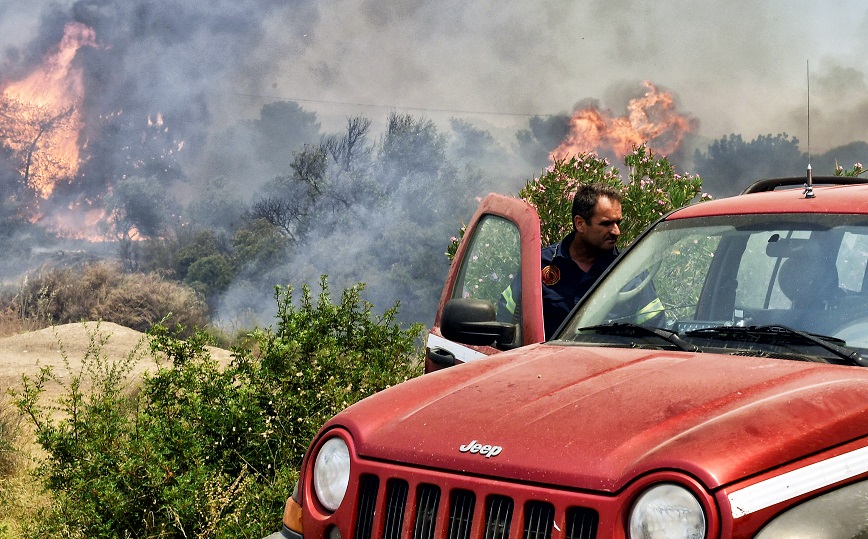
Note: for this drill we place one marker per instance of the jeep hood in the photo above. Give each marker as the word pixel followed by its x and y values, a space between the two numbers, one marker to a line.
pixel 594 418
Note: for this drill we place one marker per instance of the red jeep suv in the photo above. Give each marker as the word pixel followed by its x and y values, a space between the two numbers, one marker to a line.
pixel 740 411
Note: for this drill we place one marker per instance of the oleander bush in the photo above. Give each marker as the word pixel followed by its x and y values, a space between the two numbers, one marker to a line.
pixel 650 190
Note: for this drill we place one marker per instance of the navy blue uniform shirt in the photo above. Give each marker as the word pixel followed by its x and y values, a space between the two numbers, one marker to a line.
pixel 564 282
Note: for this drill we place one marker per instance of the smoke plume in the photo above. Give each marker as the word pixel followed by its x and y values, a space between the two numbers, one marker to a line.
pixel 188 104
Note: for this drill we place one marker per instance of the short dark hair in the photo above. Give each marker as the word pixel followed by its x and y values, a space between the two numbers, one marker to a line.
pixel 587 195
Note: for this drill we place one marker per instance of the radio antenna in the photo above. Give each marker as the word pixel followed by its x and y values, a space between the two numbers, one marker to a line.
pixel 809 178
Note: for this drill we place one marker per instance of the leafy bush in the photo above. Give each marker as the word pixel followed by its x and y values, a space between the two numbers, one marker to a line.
pixel 10 458
pixel 101 291
pixel 201 450
pixel 651 190
pixel 854 172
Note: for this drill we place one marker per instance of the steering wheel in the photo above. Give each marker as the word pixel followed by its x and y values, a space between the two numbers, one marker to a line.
pixel 644 279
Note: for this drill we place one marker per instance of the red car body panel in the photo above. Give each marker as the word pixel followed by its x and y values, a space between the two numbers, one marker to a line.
pixel 838 199
pixel 599 417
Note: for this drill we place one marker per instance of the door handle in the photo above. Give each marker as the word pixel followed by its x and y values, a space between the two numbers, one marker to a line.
pixel 441 357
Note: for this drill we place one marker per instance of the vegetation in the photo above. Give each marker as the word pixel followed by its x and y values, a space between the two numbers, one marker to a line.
pixel 200 450
pixel 651 190
pixel 102 291
pixel 731 163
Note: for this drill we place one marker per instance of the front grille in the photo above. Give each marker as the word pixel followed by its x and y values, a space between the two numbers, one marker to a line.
pixel 396 506
pixel 539 517
pixel 538 520
pixel 498 518
pixel 427 502
pixel 368 487
pixel 581 523
pixel 461 514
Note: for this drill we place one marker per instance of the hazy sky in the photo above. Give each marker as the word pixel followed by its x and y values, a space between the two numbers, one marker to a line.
pixel 736 65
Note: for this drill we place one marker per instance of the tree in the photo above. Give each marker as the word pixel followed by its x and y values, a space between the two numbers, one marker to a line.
pixel 140 207
pixel 34 134
pixel 284 127
pixel 283 214
pixel 346 149
pixel 195 245
pixel 470 143
pixel 216 205
pixel 542 134
pixel 730 164
pixel 412 149
pixel 290 202
pixel 258 247
pixel 211 274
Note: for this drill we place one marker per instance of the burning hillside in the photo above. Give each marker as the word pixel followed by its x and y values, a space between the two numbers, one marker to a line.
pixel 651 119
pixel 67 149
pixel 40 116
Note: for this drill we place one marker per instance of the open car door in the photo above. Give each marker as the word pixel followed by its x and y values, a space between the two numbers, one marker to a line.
pixel 492 300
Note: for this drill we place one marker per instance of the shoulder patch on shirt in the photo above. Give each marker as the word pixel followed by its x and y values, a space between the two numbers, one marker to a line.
pixel 551 275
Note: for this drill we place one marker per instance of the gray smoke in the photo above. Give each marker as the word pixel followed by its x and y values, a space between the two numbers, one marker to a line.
pixel 497 78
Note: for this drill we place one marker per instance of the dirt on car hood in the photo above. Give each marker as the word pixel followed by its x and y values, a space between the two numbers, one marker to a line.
pixel 595 417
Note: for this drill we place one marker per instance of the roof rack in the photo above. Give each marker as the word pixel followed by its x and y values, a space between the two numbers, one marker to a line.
pixel 771 184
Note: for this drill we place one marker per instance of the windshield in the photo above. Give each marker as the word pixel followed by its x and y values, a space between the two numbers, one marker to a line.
pixel 801 272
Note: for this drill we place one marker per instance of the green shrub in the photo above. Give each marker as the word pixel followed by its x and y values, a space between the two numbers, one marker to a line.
pixel 651 190
pixel 201 450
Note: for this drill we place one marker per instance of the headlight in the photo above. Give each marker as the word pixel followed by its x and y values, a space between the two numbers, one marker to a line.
pixel 667 511
pixel 331 473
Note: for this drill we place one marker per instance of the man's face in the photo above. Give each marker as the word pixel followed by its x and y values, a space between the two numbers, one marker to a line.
pixel 602 230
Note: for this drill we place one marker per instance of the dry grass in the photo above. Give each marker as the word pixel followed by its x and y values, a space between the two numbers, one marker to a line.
pixel 99 291
pixel 21 494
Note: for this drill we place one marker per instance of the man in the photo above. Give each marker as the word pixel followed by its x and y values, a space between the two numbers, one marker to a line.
pixel 571 267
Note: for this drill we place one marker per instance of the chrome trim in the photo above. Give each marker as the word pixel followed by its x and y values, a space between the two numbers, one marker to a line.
pixel 797 482
pixel 460 351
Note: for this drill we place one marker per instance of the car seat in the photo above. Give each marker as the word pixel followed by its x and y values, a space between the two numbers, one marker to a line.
pixel 809 279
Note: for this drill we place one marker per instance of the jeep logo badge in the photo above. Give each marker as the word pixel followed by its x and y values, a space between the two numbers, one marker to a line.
pixel 487 451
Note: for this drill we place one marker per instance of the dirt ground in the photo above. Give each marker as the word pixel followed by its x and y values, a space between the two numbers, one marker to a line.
pixel 27 353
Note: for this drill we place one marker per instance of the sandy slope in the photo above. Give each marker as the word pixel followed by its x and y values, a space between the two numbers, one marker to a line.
pixel 26 353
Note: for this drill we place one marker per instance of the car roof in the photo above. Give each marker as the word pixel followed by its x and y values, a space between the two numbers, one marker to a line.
pixel 849 199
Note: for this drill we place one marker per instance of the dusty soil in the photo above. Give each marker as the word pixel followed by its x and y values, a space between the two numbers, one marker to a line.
pixel 27 353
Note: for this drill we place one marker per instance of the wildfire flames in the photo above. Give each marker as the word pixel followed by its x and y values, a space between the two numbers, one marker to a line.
pixel 39 115
pixel 651 119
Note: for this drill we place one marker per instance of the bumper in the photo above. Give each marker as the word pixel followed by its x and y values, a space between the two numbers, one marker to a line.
pixel 285 533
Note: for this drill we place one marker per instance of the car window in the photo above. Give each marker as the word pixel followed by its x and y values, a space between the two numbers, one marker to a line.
pixel 758 287
pixel 490 269
pixel 852 260
pixel 803 271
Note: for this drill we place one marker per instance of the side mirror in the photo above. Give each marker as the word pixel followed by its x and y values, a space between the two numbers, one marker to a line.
pixel 474 321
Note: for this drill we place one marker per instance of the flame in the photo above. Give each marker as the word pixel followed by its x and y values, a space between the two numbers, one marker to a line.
pixel 651 119
pixel 81 219
pixel 40 114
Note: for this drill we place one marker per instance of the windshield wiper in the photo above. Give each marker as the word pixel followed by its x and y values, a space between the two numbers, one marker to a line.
pixel 783 334
pixel 628 329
